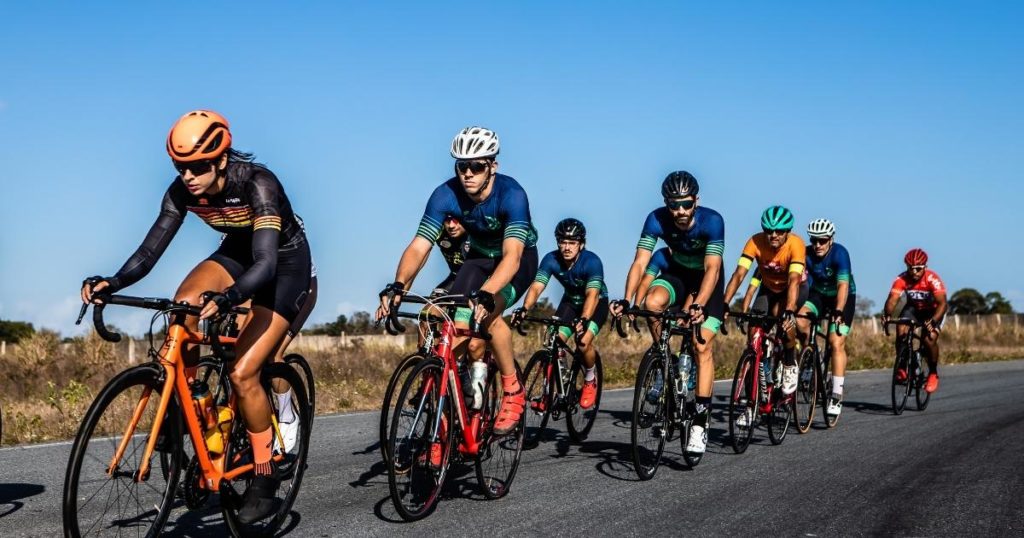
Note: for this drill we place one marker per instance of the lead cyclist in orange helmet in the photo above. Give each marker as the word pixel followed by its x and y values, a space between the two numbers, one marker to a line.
pixel 264 257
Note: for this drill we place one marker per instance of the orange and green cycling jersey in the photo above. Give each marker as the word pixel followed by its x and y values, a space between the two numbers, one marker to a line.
pixel 775 265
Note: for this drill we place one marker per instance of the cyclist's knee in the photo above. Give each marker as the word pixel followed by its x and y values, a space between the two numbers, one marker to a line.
pixel 477 347
pixel 245 379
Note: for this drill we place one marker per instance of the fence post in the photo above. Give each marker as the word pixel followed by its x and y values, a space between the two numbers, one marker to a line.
pixel 3 347
pixel 131 351
pixel 956 321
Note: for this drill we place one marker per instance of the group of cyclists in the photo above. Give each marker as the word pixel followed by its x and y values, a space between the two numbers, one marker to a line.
pixel 480 220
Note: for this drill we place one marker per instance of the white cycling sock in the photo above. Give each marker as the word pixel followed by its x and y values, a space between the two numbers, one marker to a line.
pixel 837 384
pixel 588 373
pixel 285 412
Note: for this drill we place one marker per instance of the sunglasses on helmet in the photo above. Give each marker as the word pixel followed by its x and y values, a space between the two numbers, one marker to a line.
pixel 473 166
pixel 686 204
pixel 196 167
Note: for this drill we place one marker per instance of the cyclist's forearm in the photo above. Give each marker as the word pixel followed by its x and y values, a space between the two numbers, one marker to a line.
pixel 734 283
pixel 590 303
pixel 632 283
pixel 793 291
pixel 890 304
pixel 412 261
pixel 941 306
pixel 532 294
pixel 842 294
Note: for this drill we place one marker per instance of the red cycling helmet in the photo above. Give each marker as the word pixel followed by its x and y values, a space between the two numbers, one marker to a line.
pixel 916 256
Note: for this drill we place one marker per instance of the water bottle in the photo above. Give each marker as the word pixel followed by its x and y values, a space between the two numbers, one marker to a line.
pixel 685 380
pixel 204 404
pixel 654 394
pixel 215 436
pixel 477 383
pixel 692 381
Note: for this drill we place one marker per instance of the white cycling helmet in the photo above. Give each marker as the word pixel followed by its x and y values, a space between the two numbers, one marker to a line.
pixel 821 228
pixel 475 143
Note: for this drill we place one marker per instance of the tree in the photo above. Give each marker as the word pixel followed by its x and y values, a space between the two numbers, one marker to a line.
pixel 13 331
pixel 967 301
pixel 864 307
pixel 995 303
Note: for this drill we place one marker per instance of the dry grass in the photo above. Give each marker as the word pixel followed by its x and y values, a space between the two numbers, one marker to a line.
pixel 46 386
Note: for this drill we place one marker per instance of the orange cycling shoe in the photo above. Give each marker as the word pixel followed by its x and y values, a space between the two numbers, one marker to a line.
pixel 431 457
pixel 932 384
pixel 589 394
pixel 901 375
pixel 512 405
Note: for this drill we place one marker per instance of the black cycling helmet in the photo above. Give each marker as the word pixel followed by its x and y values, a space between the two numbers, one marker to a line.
pixel 571 230
pixel 679 184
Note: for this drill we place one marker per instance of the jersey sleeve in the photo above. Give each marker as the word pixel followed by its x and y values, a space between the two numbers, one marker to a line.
pixel 172 214
pixel 749 254
pixel 798 255
pixel 516 209
pixel 264 194
pixel 843 268
pixel 898 286
pixel 595 273
pixel 548 265
pixel 658 263
pixel 439 205
pixel 650 233
pixel 938 287
pixel 715 229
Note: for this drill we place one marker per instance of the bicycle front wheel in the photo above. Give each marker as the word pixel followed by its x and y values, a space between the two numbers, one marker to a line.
pixel 291 426
pixel 826 393
pixel 418 461
pixel 580 420
pixel 498 458
pixel 780 417
pixel 922 396
pixel 806 391
pixel 394 384
pixel 743 402
pixel 107 496
pixel 901 382
pixel 539 387
pixel 650 425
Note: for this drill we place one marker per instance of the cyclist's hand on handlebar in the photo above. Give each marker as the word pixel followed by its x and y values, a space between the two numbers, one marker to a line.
pixel 696 314
pixel 214 303
pixel 618 307
pixel 483 302
pixel 517 317
pixel 837 318
pixel 580 326
pixel 788 320
pixel 92 285
pixel 886 319
pixel 932 327
pixel 390 297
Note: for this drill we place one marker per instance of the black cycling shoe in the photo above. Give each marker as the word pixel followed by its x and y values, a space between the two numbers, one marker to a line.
pixel 260 499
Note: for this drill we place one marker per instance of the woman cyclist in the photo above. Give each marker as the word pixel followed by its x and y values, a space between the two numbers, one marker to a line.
pixel 263 257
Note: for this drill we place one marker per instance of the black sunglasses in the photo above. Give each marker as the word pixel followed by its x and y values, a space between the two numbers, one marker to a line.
pixel 473 166
pixel 820 240
pixel 196 167
pixel 775 232
pixel 681 204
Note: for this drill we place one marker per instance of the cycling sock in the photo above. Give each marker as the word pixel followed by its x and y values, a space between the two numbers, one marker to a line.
pixel 837 384
pixel 790 357
pixel 285 411
pixel 589 373
pixel 703 410
pixel 261 453
pixel 510 383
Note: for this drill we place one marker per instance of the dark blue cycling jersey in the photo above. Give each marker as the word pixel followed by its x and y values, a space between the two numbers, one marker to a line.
pixel 826 273
pixel 586 273
pixel 660 262
pixel 706 237
pixel 504 214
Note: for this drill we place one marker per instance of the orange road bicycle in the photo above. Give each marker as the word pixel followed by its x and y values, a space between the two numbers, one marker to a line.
pixel 432 426
pixel 129 453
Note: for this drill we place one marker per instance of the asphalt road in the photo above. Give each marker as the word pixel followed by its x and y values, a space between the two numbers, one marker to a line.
pixel 952 470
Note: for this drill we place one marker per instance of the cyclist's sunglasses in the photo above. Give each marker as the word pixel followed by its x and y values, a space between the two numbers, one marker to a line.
pixel 916 267
pixel 775 232
pixel 681 204
pixel 196 167
pixel 820 240
pixel 473 166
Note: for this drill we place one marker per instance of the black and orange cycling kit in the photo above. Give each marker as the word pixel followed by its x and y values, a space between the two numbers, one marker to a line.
pixel 264 247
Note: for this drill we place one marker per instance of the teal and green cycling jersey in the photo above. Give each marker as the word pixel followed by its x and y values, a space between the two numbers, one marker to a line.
pixel 505 214
pixel 827 272
pixel 587 272
pixel 706 237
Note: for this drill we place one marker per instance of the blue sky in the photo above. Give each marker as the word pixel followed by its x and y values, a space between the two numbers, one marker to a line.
pixel 900 121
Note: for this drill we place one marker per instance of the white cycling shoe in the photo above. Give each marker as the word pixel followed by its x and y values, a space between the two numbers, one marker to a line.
pixel 290 433
pixel 789 378
pixel 698 442
pixel 835 406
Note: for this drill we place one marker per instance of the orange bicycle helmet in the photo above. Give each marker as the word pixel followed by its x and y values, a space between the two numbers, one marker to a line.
pixel 197 136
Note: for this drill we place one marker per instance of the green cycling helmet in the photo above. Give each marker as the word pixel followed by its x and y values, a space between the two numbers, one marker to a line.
pixel 777 217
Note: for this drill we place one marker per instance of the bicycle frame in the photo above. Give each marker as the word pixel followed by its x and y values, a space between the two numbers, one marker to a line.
pixel 757 339
pixel 451 385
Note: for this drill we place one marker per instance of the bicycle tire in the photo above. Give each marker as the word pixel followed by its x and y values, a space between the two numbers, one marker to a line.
pixel 498 458
pixel 299 362
pixel 826 392
pixel 901 390
pixel 922 396
pixel 806 395
pixel 291 469
pixel 394 383
pixel 421 392
pixel 100 433
pixel 743 398
pixel 649 427
pixel 539 397
pixel 780 417
pixel 580 421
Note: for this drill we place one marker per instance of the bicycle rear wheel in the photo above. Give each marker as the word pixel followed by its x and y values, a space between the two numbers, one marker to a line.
pixel 922 396
pixel 415 474
pixel 826 393
pixel 302 366
pixel 743 402
pixel 650 427
pixel 394 384
pixel 539 387
pixel 99 500
pixel 498 459
pixel 780 417
pixel 290 452
pixel 580 421
pixel 806 390
pixel 901 383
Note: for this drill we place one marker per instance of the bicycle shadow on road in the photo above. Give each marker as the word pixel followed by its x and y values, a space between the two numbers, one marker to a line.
pixel 868 408
pixel 11 494
pixel 366 479
pixel 208 521
pixel 460 484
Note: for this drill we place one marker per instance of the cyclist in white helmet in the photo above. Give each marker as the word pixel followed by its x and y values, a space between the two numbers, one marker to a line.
pixel 502 257
pixel 832 296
